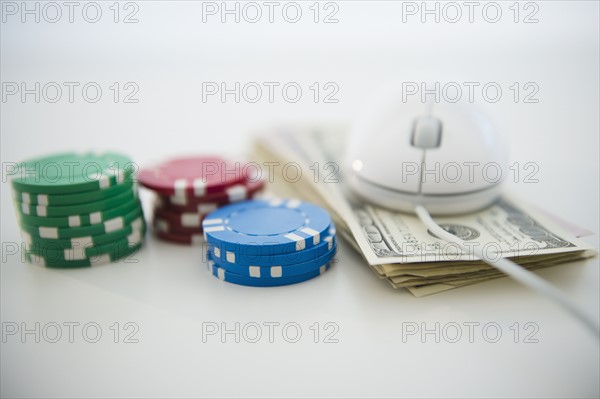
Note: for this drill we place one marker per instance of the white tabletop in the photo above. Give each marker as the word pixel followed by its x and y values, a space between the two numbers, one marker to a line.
pixel 173 304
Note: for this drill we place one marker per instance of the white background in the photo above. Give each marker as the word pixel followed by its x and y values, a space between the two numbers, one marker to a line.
pixel 169 294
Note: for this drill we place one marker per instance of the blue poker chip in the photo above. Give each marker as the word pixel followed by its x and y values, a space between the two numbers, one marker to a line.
pixel 276 272
pixel 238 279
pixel 247 257
pixel 266 227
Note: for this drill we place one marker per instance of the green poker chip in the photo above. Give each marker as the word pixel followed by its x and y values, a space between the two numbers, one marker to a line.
pixel 71 199
pixel 71 173
pixel 138 226
pixel 106 227
pixel 86 219
pixel 125 254
pixel 86 251
pixel 79 209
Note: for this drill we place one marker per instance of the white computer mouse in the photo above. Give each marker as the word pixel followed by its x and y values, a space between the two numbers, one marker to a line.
pixel 445 156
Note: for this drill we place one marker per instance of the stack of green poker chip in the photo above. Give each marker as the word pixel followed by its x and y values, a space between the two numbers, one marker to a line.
pixel 78 210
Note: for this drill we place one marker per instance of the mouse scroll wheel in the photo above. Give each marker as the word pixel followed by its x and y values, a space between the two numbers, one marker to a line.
pixel 427 132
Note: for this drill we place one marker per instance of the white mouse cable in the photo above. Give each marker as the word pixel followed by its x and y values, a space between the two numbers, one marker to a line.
pixel 515 271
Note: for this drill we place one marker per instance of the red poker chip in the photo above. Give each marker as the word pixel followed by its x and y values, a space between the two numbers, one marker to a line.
pixel 189 239
pixel 167 226
pixel 193 176
pixel 190 220
pixel 210 202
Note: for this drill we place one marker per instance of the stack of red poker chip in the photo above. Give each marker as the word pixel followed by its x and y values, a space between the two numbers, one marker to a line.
pixel 189 188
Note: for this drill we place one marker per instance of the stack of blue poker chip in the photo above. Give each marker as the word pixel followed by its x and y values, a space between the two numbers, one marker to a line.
pixel 269 242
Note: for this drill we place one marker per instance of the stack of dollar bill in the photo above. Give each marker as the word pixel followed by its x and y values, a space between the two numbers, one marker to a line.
pixel 307 163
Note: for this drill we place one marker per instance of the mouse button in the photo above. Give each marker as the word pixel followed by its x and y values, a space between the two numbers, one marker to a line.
pixel 396 168
pixel 427 132
pixel 457 170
